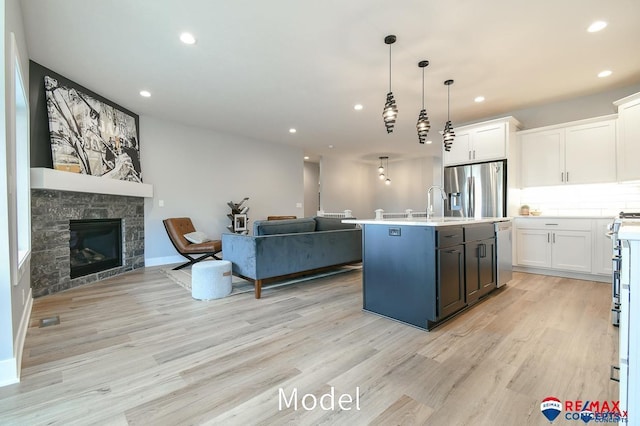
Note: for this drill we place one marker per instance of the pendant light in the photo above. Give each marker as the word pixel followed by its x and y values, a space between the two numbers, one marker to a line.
pixel 387 180
pixel 381 175
pixel 390 111
pixel 423 126
pixel 448 134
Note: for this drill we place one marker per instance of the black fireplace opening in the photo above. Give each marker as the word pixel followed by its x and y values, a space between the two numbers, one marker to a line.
pixel 95 245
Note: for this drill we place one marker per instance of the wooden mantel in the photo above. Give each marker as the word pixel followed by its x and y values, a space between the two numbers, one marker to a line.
pixel 43 178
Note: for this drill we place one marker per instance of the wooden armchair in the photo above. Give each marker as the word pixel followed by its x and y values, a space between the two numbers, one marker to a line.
pixel 176 228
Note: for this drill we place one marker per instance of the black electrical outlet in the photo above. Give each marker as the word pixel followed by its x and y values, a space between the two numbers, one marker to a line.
pixel 394 232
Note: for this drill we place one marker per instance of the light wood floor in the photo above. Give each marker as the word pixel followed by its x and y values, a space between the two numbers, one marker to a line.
pixel 138 350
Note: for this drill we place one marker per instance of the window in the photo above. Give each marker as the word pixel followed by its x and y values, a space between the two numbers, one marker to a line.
pixel 22 171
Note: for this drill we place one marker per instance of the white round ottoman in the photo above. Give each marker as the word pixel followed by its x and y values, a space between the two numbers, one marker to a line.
pixel 211 279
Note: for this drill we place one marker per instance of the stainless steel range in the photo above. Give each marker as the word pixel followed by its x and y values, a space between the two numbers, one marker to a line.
pixel 617 256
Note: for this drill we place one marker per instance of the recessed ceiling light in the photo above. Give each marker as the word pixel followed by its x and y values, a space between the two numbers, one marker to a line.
pixel 358 107
pixel 605 73
pixel 330 146
pixel 292 130
pixel 306 157
pixel 429 142
pixel 145 93
pixel 479 99
pixel 597 26
pixel 187 38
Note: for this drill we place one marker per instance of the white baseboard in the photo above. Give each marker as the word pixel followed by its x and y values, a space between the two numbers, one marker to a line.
pixel 564 274
pixel 10 368
pixel 22 331
pixel 167 260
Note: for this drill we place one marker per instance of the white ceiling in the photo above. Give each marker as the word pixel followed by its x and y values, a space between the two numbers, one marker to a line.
pixel 261 67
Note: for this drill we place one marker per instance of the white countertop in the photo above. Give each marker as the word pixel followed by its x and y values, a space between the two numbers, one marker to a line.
pixel 565 217
pixel 629 231
pixel 434 221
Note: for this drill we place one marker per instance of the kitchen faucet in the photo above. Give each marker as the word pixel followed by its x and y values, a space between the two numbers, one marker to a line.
pixel 429 205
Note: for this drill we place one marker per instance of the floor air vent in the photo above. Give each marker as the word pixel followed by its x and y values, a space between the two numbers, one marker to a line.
pixel 46 322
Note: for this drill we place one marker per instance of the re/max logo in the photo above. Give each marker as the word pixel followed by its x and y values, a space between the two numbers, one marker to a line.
pixel 595 407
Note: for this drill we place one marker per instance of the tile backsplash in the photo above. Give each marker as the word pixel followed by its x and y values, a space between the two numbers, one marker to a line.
pixel 582 200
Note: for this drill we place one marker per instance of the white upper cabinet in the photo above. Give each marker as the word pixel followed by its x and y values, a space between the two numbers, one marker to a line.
pixel 628 137
pixel 481 142
pixel 542 159
pixel 578 152
pixel 460 149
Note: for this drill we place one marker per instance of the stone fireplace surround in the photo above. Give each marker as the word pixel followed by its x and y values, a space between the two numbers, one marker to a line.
pixel 52 208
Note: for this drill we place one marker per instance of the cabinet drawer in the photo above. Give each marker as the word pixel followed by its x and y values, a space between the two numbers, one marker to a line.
pixel 479 232
pixel 447 236
pixel 550 224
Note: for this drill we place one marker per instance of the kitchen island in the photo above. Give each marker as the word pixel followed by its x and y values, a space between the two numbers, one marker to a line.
pixel 424 271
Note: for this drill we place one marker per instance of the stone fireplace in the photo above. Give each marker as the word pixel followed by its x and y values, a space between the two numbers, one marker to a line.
pixel 52 210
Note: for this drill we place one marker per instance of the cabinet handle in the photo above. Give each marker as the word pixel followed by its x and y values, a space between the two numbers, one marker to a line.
pixel 474 154
pixel 453 251
pixel 548 237
pixel 567 176
pixel 562 176
pixel 554 238
pixel 469 155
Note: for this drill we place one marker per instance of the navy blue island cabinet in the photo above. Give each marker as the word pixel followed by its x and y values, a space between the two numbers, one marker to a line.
pixel 422 275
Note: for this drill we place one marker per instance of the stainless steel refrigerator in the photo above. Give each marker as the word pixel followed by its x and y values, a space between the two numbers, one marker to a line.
pixel 476 190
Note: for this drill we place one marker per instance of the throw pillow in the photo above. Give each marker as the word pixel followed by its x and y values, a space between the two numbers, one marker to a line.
pixel 197 237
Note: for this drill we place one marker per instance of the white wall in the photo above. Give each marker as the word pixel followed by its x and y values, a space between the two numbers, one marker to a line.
pixel 14 293
pixel 311 188
pixel 346 185
pixel 410 180
pixel 197 171
pixel 574 109
pixel 355 186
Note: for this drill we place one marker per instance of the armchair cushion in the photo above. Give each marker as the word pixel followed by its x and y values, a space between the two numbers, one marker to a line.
pixel 197 237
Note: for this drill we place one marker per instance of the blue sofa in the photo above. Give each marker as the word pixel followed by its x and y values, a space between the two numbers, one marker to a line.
pixel 286 247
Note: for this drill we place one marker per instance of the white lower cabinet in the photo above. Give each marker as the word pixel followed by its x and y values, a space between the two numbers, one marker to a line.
pixel 555 249
pixel 533 248
pixel 571 245
pixel 571 251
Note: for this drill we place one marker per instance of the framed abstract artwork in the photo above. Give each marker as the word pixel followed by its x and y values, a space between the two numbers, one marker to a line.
pixel 90 137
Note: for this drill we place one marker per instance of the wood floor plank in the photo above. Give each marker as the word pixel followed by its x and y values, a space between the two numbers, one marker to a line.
pixel 138 349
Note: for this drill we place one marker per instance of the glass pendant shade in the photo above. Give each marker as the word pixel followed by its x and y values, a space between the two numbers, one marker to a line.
pixel 387 182
pixel 448 134
pixel 390 111
pixel 423 126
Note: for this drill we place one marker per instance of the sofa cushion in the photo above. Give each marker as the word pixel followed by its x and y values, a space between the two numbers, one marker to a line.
pixel 287 226
pixel 331 223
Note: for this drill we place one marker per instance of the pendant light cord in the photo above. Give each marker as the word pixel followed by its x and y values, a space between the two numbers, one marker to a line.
pixel 422 87
pixel 448 101
pixel 389 67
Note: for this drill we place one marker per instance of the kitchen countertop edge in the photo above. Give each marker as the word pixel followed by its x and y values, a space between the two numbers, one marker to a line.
pixel 425 222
